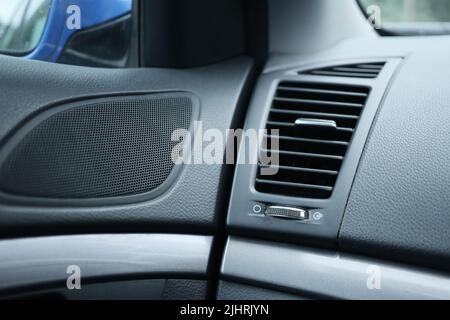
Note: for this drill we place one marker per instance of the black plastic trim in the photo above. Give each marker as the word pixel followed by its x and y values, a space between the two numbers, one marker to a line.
pixel 62 106
pixel 324 231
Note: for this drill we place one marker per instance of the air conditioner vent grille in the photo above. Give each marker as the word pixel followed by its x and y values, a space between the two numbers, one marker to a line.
pixel 310 157
pixel 360 70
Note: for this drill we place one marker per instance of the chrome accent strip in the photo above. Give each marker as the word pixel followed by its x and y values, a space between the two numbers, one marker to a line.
pixel 327 273
pixel 31 261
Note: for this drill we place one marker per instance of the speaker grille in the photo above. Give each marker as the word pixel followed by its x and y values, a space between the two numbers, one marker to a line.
pixel 104 149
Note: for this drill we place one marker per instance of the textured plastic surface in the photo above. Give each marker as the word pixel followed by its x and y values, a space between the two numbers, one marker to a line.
pixel 153 289
pixel 29 87
pixel 236 291
pixel 399 207
pixel 97 148
pixel 328 212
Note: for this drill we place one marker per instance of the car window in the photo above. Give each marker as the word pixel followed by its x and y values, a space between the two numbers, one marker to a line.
pixel 80 32
pixel 409 16
pixel 22 24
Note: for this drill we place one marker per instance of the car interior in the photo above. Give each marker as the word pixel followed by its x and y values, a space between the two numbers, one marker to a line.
pixel 229 150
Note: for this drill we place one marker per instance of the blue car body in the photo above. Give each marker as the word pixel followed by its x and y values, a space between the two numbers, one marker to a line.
pixel 56 34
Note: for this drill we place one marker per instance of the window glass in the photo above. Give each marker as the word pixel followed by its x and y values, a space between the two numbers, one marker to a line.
pixel 22 24
pixel 81 32
pixel 409 16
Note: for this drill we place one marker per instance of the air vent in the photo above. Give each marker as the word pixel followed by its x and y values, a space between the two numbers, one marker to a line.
pixel 316 122
pixel 362 70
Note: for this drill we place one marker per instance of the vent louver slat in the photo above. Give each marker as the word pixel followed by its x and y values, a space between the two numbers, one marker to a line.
pixel 362 70
pixel 310 157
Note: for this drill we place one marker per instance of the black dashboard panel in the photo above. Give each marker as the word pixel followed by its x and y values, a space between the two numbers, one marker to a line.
pixel 389 208
pixel 187 204
pixel 80 154
pixel 236 291
pixel 398 208
pixel 325 215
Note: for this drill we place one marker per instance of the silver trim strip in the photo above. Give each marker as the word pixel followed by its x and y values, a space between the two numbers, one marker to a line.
pixel 328 273
pixel 31 261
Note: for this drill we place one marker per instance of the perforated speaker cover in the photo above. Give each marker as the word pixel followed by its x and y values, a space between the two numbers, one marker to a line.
pixel 97 149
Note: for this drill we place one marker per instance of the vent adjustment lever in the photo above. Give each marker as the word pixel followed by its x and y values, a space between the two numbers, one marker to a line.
pixel 316 124
pixel 287 213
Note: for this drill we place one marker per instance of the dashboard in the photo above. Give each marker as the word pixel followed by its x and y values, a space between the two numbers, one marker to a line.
pixel 357 207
